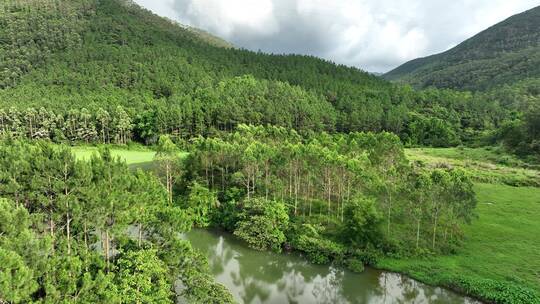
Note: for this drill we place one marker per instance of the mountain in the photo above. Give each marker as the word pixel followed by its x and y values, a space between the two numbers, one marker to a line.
pixel 67 55
pixel 111 71
pixel 502 54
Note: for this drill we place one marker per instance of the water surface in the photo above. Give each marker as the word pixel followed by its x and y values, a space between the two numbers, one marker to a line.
pixel 264 277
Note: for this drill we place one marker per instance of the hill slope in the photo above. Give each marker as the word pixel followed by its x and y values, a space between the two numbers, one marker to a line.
pixel 110 71
pixel 503 54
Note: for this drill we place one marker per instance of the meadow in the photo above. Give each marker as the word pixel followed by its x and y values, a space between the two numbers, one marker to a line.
pixel 130 156
pixel 485 165
pixel 502 246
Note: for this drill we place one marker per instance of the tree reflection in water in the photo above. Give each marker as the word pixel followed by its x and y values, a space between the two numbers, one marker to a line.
pixel 263 277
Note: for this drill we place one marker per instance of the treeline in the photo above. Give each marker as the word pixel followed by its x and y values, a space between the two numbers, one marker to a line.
pixel 522 136
pixel 76 125
pixel 342 197
pixel 521 132
pixel 442 118
pixel 92 232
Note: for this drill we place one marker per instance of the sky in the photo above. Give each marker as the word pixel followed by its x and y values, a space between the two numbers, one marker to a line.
pixel 374 35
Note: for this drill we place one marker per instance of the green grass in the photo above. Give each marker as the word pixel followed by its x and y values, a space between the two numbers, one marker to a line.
pixel 139 157
pixel 486 165
pixel 129 156
pixel 502 244
pixel 500 257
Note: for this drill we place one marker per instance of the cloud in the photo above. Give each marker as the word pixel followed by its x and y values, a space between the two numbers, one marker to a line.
pixel 375 35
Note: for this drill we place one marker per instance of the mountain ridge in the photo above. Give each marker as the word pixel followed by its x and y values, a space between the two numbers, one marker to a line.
pixel 504 53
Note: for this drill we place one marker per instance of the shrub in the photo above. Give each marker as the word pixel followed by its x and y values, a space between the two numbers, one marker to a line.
pixel 355 265
pixel 262 224
pixel 319 250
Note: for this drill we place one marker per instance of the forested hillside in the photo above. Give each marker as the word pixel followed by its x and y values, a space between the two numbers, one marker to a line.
pixel 286 152
pixel 109 71
pixel 503 54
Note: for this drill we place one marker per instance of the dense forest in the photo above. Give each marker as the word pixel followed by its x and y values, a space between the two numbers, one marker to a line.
pixel 113 72
pixel 287 152
pixel 505 53
pixel 92 232
pixel 329 193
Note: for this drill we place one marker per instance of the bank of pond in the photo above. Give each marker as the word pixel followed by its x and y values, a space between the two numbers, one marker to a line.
pixel 264 277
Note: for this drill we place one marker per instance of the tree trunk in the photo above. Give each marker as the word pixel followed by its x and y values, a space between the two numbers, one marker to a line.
pixel 168 177
pixel 51 227
pixel 296 185
pixel 140 235
pixel 417 232
pixel 68 230
pixel 389 203
pixel 434 231
pixel 107 249
pixel 85 228
pixel 266 175
pixel 329 194
pixel 247 187
pixel 309 194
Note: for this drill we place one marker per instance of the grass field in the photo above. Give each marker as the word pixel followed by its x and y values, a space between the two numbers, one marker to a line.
pixel 502 246
pixel 129 156
pixel 486 165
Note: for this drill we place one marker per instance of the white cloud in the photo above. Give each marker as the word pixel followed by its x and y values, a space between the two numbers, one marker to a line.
pixel 375 35
pixel 224 17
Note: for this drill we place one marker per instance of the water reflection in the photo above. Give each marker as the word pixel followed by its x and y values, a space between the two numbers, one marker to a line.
pixel 262 277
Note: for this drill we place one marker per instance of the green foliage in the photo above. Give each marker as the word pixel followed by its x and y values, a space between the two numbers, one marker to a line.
pixel 432 132
pixel 118 81
pixel 29 36
pixel 485 165
pixel 142 278
pixel 262 224
pixel 197 285
pixel 342 186
pixel 80 231
pixel 200 203
pixel 362 223
pixel 17 277
pixel 355 265
pixel 523 136
pixel 318 249
pixel 498 292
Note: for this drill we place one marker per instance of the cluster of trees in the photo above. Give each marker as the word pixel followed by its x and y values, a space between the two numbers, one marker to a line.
pixel 520 133
pixel 439 118
pixel 92 232
pixel 522 136
pixel 339 193
pixel 75 125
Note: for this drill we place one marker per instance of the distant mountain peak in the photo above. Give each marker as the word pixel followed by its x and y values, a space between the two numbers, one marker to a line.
pixel 504 53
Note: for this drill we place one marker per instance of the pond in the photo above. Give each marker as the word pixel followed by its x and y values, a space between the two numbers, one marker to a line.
pixel 264 277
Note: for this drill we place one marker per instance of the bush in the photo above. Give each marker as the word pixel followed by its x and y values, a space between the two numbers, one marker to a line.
pixel 361 226
pixel 355 265
pixel 262 224
pixel 368 255
pixel 497 292
pixel 319 250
